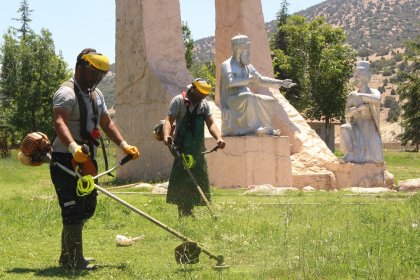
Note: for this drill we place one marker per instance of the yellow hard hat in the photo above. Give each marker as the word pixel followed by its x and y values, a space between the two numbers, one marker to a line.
pixel 202 86
pixel 97 60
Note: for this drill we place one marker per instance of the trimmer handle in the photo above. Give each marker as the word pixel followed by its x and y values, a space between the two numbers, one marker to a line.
pixel 126 159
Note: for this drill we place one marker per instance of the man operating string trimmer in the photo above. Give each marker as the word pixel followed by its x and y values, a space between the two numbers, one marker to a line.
pixel 79 110
pixel 190 110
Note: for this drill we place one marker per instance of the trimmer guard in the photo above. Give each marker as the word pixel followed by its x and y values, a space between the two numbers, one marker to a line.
pixel 187 253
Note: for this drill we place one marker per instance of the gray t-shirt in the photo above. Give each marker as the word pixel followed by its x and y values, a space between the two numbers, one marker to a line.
pixel 65 98
pixel 178 109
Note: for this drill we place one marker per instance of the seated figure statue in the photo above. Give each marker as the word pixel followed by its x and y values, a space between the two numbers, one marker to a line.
pixel 244 112
pixel 360 136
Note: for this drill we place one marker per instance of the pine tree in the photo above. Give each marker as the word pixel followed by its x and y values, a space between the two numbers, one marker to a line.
pixel 25 13
pixel 278 39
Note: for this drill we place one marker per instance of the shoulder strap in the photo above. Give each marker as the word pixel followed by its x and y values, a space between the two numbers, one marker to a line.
pixel 86 136
pixel 191 116
pixel 187 102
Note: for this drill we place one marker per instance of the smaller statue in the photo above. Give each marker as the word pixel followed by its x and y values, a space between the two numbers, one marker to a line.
pixel 360 136
pixel 245 112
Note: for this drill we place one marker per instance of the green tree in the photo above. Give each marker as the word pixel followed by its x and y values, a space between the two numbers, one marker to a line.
pixel 318 59
pixel 330 66
pixel 409 92
pixel 394 109
pixel 189 44
pixel 292 62
pixel 30 74
pixel 25 13
pixel 389 102
pixel 278 39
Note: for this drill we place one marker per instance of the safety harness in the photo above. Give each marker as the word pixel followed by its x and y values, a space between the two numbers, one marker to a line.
pixel 89 138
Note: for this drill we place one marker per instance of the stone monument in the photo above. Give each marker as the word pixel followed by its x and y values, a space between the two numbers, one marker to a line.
pixel 360 136
pixel 149 74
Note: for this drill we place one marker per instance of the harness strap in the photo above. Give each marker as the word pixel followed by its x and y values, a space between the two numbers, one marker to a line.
pixel 191 116
pixel 86 135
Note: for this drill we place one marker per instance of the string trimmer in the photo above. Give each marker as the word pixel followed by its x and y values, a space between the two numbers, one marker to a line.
pixel 186 253
pixel 187 163
pixel 35 150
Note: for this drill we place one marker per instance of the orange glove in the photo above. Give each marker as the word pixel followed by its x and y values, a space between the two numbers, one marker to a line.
pixel 129 150
pixel 78 155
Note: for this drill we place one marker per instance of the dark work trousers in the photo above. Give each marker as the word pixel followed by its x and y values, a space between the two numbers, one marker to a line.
pixel 74 209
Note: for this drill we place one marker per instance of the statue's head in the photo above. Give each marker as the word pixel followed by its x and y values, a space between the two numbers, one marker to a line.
pixel 241 48
pixel 362 73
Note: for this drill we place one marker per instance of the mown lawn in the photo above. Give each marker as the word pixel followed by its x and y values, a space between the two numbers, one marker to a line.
pixel 317 235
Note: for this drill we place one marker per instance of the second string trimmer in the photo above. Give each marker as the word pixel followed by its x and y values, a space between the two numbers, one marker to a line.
pixel 185 163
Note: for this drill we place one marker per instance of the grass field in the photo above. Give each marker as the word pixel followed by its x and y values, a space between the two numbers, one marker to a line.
pixel 318 235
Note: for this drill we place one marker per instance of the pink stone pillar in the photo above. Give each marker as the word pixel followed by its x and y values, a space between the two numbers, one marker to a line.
pixel 150 70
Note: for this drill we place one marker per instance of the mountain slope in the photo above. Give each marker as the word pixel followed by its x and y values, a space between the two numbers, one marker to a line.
pixel 371 26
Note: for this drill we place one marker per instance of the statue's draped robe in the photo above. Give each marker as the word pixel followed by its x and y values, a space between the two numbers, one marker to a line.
pixel 360 137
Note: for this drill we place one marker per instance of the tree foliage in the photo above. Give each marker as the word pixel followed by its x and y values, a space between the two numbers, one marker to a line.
pixel 189 44
pixel 278 40
pixel 30 74
pixel 25 19
pixel 317 58
pixel 409 92
pixel 206 71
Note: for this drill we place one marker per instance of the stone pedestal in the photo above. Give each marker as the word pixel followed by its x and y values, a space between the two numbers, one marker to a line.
pixel 250 160
pixel 365 175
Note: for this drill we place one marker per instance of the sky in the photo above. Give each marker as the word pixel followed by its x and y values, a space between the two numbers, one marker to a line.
pixel 77 24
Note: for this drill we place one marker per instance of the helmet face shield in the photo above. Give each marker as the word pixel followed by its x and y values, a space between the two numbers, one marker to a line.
pixel 97 61
pixel 91 77
pixel 94 68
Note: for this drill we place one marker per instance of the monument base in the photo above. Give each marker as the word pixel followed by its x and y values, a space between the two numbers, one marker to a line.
pixel 319 181
pixel 250 160
pixel 365 175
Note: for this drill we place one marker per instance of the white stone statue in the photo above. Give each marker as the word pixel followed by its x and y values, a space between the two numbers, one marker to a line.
pixel 360 136
pixel 244 112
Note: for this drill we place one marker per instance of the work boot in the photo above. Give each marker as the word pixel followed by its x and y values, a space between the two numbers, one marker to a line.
pixel 64 256
pixel 73 248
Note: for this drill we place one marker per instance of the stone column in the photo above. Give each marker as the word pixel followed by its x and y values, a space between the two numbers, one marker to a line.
pixel 150 70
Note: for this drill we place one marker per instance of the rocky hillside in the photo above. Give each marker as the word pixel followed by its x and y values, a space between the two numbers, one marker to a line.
pixel 371 26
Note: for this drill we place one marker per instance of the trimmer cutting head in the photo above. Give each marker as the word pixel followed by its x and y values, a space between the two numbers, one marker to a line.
pixel 220 265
